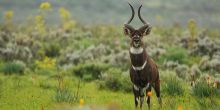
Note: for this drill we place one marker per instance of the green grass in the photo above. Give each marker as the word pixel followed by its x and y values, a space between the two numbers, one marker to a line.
pixel 22 93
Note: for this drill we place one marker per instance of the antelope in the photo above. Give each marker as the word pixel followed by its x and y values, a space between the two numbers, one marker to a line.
pixel 144 72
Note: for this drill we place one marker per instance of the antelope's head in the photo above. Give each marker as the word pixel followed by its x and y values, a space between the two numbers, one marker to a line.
pixel 136 35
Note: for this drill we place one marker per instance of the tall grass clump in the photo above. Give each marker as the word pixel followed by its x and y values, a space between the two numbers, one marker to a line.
pixel 173 86
pixel 63 93
pixel 202 89
pixel 14 67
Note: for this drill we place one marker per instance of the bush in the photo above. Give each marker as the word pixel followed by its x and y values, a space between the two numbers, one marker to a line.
pixel 15 67
pixel 46 63
pixel 182 71
pixel 202 89
pixel 63 95
pixel 126 84
pixel 175 54
pixel 52 50
pixel 115 81
pixel 111 79
pixel 89 71
pixel 173 86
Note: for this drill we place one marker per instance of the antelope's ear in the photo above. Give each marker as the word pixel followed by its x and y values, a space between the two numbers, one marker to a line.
pixel 145 30
pixel 128 30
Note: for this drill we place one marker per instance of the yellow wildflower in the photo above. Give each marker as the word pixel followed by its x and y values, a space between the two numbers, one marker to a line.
pixel 64 13
pixel 39 23
pixel 81 102
pixel 9 15
pixel 69 25
pixel 45 6
pixel 180 107
pixel 38 18
pixel 46 63
pixel 192 27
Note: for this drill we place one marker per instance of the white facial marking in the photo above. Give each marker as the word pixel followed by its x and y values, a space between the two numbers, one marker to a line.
pixel 136 50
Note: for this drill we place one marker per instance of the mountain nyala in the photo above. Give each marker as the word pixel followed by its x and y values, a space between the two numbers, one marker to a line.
pixel 144 72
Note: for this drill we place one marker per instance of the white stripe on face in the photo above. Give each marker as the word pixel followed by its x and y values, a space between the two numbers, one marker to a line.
pixel 136 50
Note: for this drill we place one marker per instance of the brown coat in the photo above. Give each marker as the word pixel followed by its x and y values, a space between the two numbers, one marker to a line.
pixel 150 72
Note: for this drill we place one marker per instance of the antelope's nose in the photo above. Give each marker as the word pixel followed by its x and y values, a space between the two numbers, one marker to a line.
pixel 136 39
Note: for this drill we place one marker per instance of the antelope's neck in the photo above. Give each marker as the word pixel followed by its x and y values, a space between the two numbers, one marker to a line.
pixel 138 56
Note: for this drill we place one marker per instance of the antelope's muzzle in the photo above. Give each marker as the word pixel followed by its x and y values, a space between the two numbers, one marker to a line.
pixel 136 41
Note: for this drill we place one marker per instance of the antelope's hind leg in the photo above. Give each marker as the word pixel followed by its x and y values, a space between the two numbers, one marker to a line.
pixel 157 90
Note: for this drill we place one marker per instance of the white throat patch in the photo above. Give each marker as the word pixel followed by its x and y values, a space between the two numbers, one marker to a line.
pixel 136 50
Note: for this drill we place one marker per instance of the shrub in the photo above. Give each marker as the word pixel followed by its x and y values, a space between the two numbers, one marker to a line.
pixel 15 67
pixel 52 50
pixel 202 89
pixel 46 66
pixel 46 63
pixel 63 91
pixel 175 54
pixel 182 71
pixel 126 84
pixel 173 86
pixel 115 81
pixel 89 71
pixel 111 79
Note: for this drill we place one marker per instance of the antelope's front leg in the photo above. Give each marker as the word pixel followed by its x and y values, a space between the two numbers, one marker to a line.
pixel 141 97
pixel 136 95
pixel 148 97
